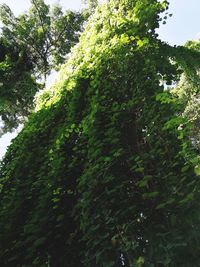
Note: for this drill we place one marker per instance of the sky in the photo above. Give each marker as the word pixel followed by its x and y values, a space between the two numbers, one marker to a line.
pixel 18 6
pixel 182 26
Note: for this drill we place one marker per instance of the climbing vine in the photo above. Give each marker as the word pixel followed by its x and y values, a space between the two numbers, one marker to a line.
pixel 106 157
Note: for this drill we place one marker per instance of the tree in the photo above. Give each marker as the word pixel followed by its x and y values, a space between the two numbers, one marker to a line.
pixel 46 34
pixel 32 44
pixel 91 4
pixel 18 87
pixel 187 90
pixel 104 157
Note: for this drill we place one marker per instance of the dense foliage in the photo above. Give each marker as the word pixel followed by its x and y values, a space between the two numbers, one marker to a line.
pixel 187 91
pixel 107 155
pixel 31 45
pixel 17 88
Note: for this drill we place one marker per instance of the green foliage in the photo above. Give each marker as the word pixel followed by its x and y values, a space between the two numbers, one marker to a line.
pixel 46 34
pixel 106 155
pixel 17 90
pixel 187 91
pixel 91 4
pixel 31 45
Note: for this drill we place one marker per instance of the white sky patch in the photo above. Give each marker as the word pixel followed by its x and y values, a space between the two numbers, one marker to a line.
pixel 197 36
pixel 51 79
pixel 5 141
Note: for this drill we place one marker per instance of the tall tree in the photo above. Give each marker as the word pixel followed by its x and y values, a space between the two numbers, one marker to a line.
pixel 187 90
pixel 104 157
pixel 18 87
pixel 46 34
pixel 32 44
